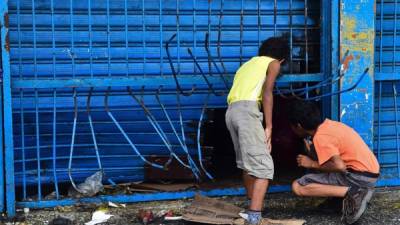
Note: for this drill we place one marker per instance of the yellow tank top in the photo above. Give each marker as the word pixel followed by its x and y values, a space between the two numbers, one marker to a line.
pixel 249 80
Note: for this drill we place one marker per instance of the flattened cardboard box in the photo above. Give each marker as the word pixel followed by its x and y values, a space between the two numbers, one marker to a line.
pixel 214 211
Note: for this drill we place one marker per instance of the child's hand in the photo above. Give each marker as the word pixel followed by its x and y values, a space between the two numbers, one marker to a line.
pixel 305 161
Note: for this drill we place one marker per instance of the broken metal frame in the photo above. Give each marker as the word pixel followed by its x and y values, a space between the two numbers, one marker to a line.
pixel 331 80
pixel 71 151
pixel 324 83
pixel 153 121
pixel 174 73
pixel 103 82
pixel 183 145
pixel 211 62
pixel 128 139
pixel 20 83
pixel 93 134
pixel 210 86
pixel 199 153
pixel 179 109
pixel 318 97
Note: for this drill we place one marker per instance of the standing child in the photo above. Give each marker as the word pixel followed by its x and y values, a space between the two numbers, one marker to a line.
pixel 252 89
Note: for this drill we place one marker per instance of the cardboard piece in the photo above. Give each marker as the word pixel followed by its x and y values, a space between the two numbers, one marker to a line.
pixel 214 211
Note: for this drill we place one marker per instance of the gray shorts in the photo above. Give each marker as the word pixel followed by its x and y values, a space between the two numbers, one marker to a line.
pixel 338 179
pixel 244 122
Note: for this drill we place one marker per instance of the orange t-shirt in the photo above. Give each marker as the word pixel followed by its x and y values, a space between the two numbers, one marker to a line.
pixel 335 138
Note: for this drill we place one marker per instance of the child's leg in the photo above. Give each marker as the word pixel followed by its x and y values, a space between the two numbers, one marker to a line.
pixel 321 185
pixel 259 190
pixel 319 190
pixel 248 184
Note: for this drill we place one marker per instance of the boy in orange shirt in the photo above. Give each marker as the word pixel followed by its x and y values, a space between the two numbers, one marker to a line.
pixel 346 167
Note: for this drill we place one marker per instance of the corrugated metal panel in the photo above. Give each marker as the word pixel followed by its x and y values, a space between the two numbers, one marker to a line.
pixel 102 38
pixel 77 39
pixel 62 49
pixel 386 129
pixel 386 39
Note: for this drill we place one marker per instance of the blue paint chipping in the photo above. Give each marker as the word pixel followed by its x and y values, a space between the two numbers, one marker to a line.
pixel 356 29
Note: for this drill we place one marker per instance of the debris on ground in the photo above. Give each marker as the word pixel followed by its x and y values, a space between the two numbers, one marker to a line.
pixel 384 209
pixel 51 196
pixel 89 188
pixel 168 215
pixel 212 211
pixel 99 216
pixel 127 188
pixel 173 218
pixel 67 208
pixel 116 205
pixel 61 221
pixel 145 216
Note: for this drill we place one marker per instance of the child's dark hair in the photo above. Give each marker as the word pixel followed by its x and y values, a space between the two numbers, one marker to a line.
pixel 275 47
pixel 305 113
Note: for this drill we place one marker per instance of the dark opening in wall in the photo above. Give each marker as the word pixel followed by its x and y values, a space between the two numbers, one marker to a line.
pixel 285 145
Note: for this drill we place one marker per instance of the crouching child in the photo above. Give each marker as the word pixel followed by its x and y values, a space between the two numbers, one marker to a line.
pixel 345 167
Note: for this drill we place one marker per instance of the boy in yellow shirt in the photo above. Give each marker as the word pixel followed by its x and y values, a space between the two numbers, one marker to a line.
pixel 252 89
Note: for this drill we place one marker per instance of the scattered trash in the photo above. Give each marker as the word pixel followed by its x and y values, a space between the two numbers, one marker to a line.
pixel 99 216
pixel 116 205
pixel 61 221
pixel 167 215
pixel 173 218
pixel 89 188
pixel 26 210
pixel 51 196
pixel 66 208
pixel 145 216
pixel 170 213
pixel 112 204
pixel 161 213
pixel 244 215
